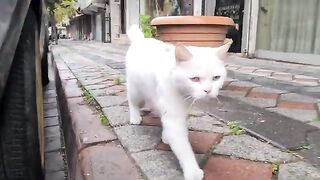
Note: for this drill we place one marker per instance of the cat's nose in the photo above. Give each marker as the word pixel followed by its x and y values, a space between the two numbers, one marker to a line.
pixel 207 91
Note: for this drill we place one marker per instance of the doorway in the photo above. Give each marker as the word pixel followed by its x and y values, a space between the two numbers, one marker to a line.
pixel 233 9
pixel 122 17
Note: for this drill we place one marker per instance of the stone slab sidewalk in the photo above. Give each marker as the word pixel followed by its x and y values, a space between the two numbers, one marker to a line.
pixel 223 153
pixel 55 155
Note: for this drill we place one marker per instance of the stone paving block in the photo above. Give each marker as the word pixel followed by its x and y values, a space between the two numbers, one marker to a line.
pixel 54 162
pixel 50 106
pixel 282 76
pixel 96 86
pixel 297 114
pixel 52 143
pixel 244 84
pixel 71 88
pixel 298 171
pixel 223 168
pixel 52 131
pixel 247 69
pixel 89 82
pixel 306 82
pixel 262 72
pixel 315 123
pixel 247 147
pixel 201 142
pixel 66 75
pixel 107 101
pixel 107 161
pixel 260 102
pixel 117 115
pixel 51 113
pixel 237 88
pixel 51 121
pixel 60 64
pixel 234 92
pixel 122 93
pixel 115 89
pixel 159 165
pixel 81 74
pixel 99 92
pixel 138 138
pixel 296 105
pixel 263 95
pixel 50 93
pixel 208 124
pixel 231 79
pixel 59 175
pixel 314 143
pixel 87 125
pixel 151 119
pixel 297 98
pixel 268 90
pixel 304 77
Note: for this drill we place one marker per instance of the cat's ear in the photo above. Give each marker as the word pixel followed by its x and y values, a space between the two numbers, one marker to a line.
pixel 182 53
pixel 221 51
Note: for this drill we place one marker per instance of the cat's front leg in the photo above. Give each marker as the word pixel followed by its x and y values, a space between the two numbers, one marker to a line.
pixel 135 101
pixel 176 135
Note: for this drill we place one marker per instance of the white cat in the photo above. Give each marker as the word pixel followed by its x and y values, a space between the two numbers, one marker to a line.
pixel 172 78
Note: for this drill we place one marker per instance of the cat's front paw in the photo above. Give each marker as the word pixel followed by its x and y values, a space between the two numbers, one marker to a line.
pixel 164 138
pixel 194 174
pixel 135 120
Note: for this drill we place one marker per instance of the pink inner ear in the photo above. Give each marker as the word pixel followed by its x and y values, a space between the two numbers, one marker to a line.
pixel 182 54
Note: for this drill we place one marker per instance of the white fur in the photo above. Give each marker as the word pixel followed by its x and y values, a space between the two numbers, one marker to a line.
pixel 154 75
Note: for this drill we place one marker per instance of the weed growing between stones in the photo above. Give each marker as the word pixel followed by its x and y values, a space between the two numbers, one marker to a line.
pixel 89 99
pixel 103 119
pixel 235 129
pixel 118 81
pixel 275 168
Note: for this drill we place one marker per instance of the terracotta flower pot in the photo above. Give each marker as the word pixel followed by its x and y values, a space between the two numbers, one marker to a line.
pixel 209 31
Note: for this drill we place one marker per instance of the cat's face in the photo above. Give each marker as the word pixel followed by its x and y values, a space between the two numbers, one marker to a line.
pixel 200 72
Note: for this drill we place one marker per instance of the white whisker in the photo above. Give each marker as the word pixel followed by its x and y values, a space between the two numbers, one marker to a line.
pixel 194 100
pixel 218 100
pixel 187 98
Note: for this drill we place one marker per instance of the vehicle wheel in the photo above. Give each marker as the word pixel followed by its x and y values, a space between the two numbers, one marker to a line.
pixel 44 63
pixel 22 111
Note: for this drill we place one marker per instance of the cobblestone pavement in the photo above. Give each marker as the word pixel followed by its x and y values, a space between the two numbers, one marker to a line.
pixel 276 103
pixel 55 164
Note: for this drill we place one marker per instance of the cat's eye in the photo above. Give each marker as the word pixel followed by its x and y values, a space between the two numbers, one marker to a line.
pixel 195 79
pixel 215 78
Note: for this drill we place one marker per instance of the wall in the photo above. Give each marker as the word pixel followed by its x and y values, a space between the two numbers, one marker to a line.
pixel 115 19
pixel 98 20
pixel 133 12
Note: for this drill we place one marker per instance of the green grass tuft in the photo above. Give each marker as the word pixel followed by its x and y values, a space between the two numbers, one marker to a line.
pixel 275 168
pixel 235 129
pixel 103 119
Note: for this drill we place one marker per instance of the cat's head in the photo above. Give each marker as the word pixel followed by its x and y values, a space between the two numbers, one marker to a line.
pixel 199 71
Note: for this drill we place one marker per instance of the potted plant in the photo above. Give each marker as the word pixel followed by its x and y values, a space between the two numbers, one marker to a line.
pixel 208 31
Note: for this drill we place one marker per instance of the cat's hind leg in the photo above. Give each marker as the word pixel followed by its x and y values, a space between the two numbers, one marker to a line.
pixel 135 101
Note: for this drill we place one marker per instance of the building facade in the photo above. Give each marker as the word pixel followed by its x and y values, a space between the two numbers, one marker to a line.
pixel 286 30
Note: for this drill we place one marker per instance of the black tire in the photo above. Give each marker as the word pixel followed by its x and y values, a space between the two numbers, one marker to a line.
pixel 19 142
pixel 44 62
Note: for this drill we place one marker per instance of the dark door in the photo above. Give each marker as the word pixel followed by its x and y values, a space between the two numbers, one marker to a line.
pixel 123 16
pixel 234 10
pixel 108 28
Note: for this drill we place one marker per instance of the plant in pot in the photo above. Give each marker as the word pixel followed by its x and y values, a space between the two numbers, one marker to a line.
pixel 207 31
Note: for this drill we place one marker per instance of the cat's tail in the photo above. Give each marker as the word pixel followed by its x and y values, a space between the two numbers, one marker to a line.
pixel 135 34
